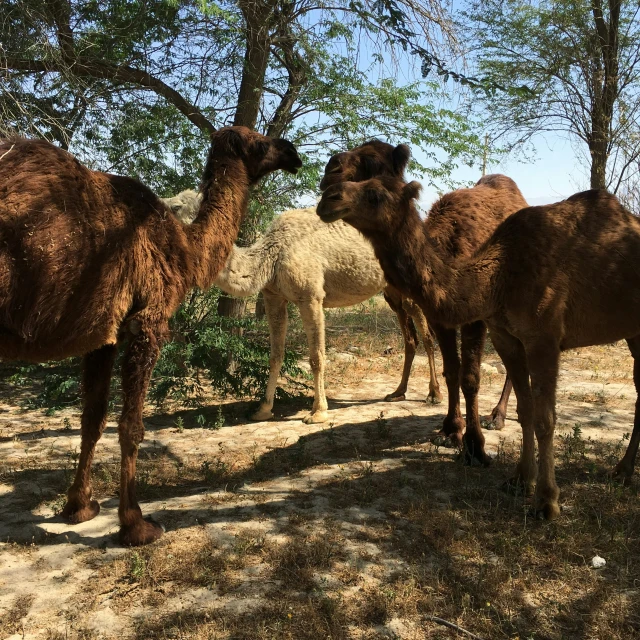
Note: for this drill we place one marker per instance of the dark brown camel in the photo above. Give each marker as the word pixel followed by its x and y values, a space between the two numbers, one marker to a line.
pixel 550 278
pixel 88 259
pixel 457 225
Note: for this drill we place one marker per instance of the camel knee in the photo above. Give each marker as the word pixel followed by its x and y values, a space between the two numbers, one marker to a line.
pixel 316 363
pixel 470 384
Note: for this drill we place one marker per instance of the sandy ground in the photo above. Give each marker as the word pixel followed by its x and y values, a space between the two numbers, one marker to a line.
pixel 51 572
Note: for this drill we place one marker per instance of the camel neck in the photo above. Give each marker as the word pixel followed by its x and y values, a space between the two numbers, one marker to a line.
pixel 211 235
pixel 450 293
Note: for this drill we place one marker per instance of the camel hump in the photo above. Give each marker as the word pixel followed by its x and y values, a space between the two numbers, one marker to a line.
pixel 498 181
pixel 592 196
pixel 20 156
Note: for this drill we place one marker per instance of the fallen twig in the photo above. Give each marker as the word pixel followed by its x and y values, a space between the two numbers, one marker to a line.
pixel 453 626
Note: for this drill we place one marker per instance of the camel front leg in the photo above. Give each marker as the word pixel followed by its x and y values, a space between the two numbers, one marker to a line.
pixel 410 338
pixel 137 366
pixel 543 359
pixel 312 315
pixel 472 346
pixel 435 397
pixel 96 376
pixel 276 310
pixel 514 357
pixel 453 424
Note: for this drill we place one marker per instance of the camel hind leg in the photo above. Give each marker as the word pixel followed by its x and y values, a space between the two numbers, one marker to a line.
pixel 624 468
pixel 96 376
pixel 410 338
pixel 276 310
pixel 496 420
pixel 543 359
pixel 512 353
pixel 435 397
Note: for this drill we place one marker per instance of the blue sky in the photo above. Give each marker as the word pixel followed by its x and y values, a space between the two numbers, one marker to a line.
pixel 554 173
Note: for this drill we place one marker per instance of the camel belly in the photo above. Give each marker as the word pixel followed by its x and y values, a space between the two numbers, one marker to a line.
pixel 14 347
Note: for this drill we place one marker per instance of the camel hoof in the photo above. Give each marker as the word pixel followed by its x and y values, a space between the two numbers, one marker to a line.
pixel 493 423
pixel 434 398
pixel 75 515
pixel 547 511
pixel 316 417
pixel 441 439
pixel 454 428
pixel 475 457
pixel 261 416
pixel 144 531
pixel 392 397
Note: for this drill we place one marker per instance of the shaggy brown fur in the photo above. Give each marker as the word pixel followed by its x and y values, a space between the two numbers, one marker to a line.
pixel 457 225
pixel 550 278
pixel 88 258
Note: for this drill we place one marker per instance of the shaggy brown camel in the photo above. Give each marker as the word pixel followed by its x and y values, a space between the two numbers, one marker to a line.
pixel 550 278
pixel 457 225
pixel 314 266
pixel 89 259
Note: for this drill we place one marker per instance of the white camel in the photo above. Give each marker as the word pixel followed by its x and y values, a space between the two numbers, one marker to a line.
pixel 302 260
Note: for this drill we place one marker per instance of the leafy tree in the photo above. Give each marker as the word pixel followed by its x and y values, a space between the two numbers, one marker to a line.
pixel 581 62
pixel 134 87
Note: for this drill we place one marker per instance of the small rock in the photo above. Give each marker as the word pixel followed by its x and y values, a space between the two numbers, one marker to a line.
pixel 345 357
pixel 501 368
pixel 597 562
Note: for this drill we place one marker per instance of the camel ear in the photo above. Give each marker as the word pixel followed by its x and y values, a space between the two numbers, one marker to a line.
pixel 375 197
pixel 412 190
pixel 233 143
pixel 400 156
pixel 261 148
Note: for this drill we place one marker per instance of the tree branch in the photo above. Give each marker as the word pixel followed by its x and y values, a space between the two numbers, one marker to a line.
pixel 117 74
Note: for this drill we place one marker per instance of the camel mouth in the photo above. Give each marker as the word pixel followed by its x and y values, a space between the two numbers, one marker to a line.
pixel 295 166
pixel 330 215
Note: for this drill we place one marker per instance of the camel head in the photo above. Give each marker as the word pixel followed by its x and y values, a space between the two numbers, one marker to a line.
pixel 369 160
pixel 378 204
pixel 260 154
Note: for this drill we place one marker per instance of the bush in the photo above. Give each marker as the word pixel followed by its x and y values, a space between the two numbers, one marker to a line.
pixel 194 362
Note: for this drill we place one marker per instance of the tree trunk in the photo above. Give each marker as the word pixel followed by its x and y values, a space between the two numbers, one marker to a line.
pixel 260 310
pixel 258 18
pixel 605 89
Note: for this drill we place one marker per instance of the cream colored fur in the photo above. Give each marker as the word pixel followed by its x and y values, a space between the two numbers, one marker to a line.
pixel 314 265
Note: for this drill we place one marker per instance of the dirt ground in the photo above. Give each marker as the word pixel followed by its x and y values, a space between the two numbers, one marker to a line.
pixel 357 528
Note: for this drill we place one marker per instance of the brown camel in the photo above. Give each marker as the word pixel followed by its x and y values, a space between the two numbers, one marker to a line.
pixel 457 225
pixel 550 278
pixel 88 259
